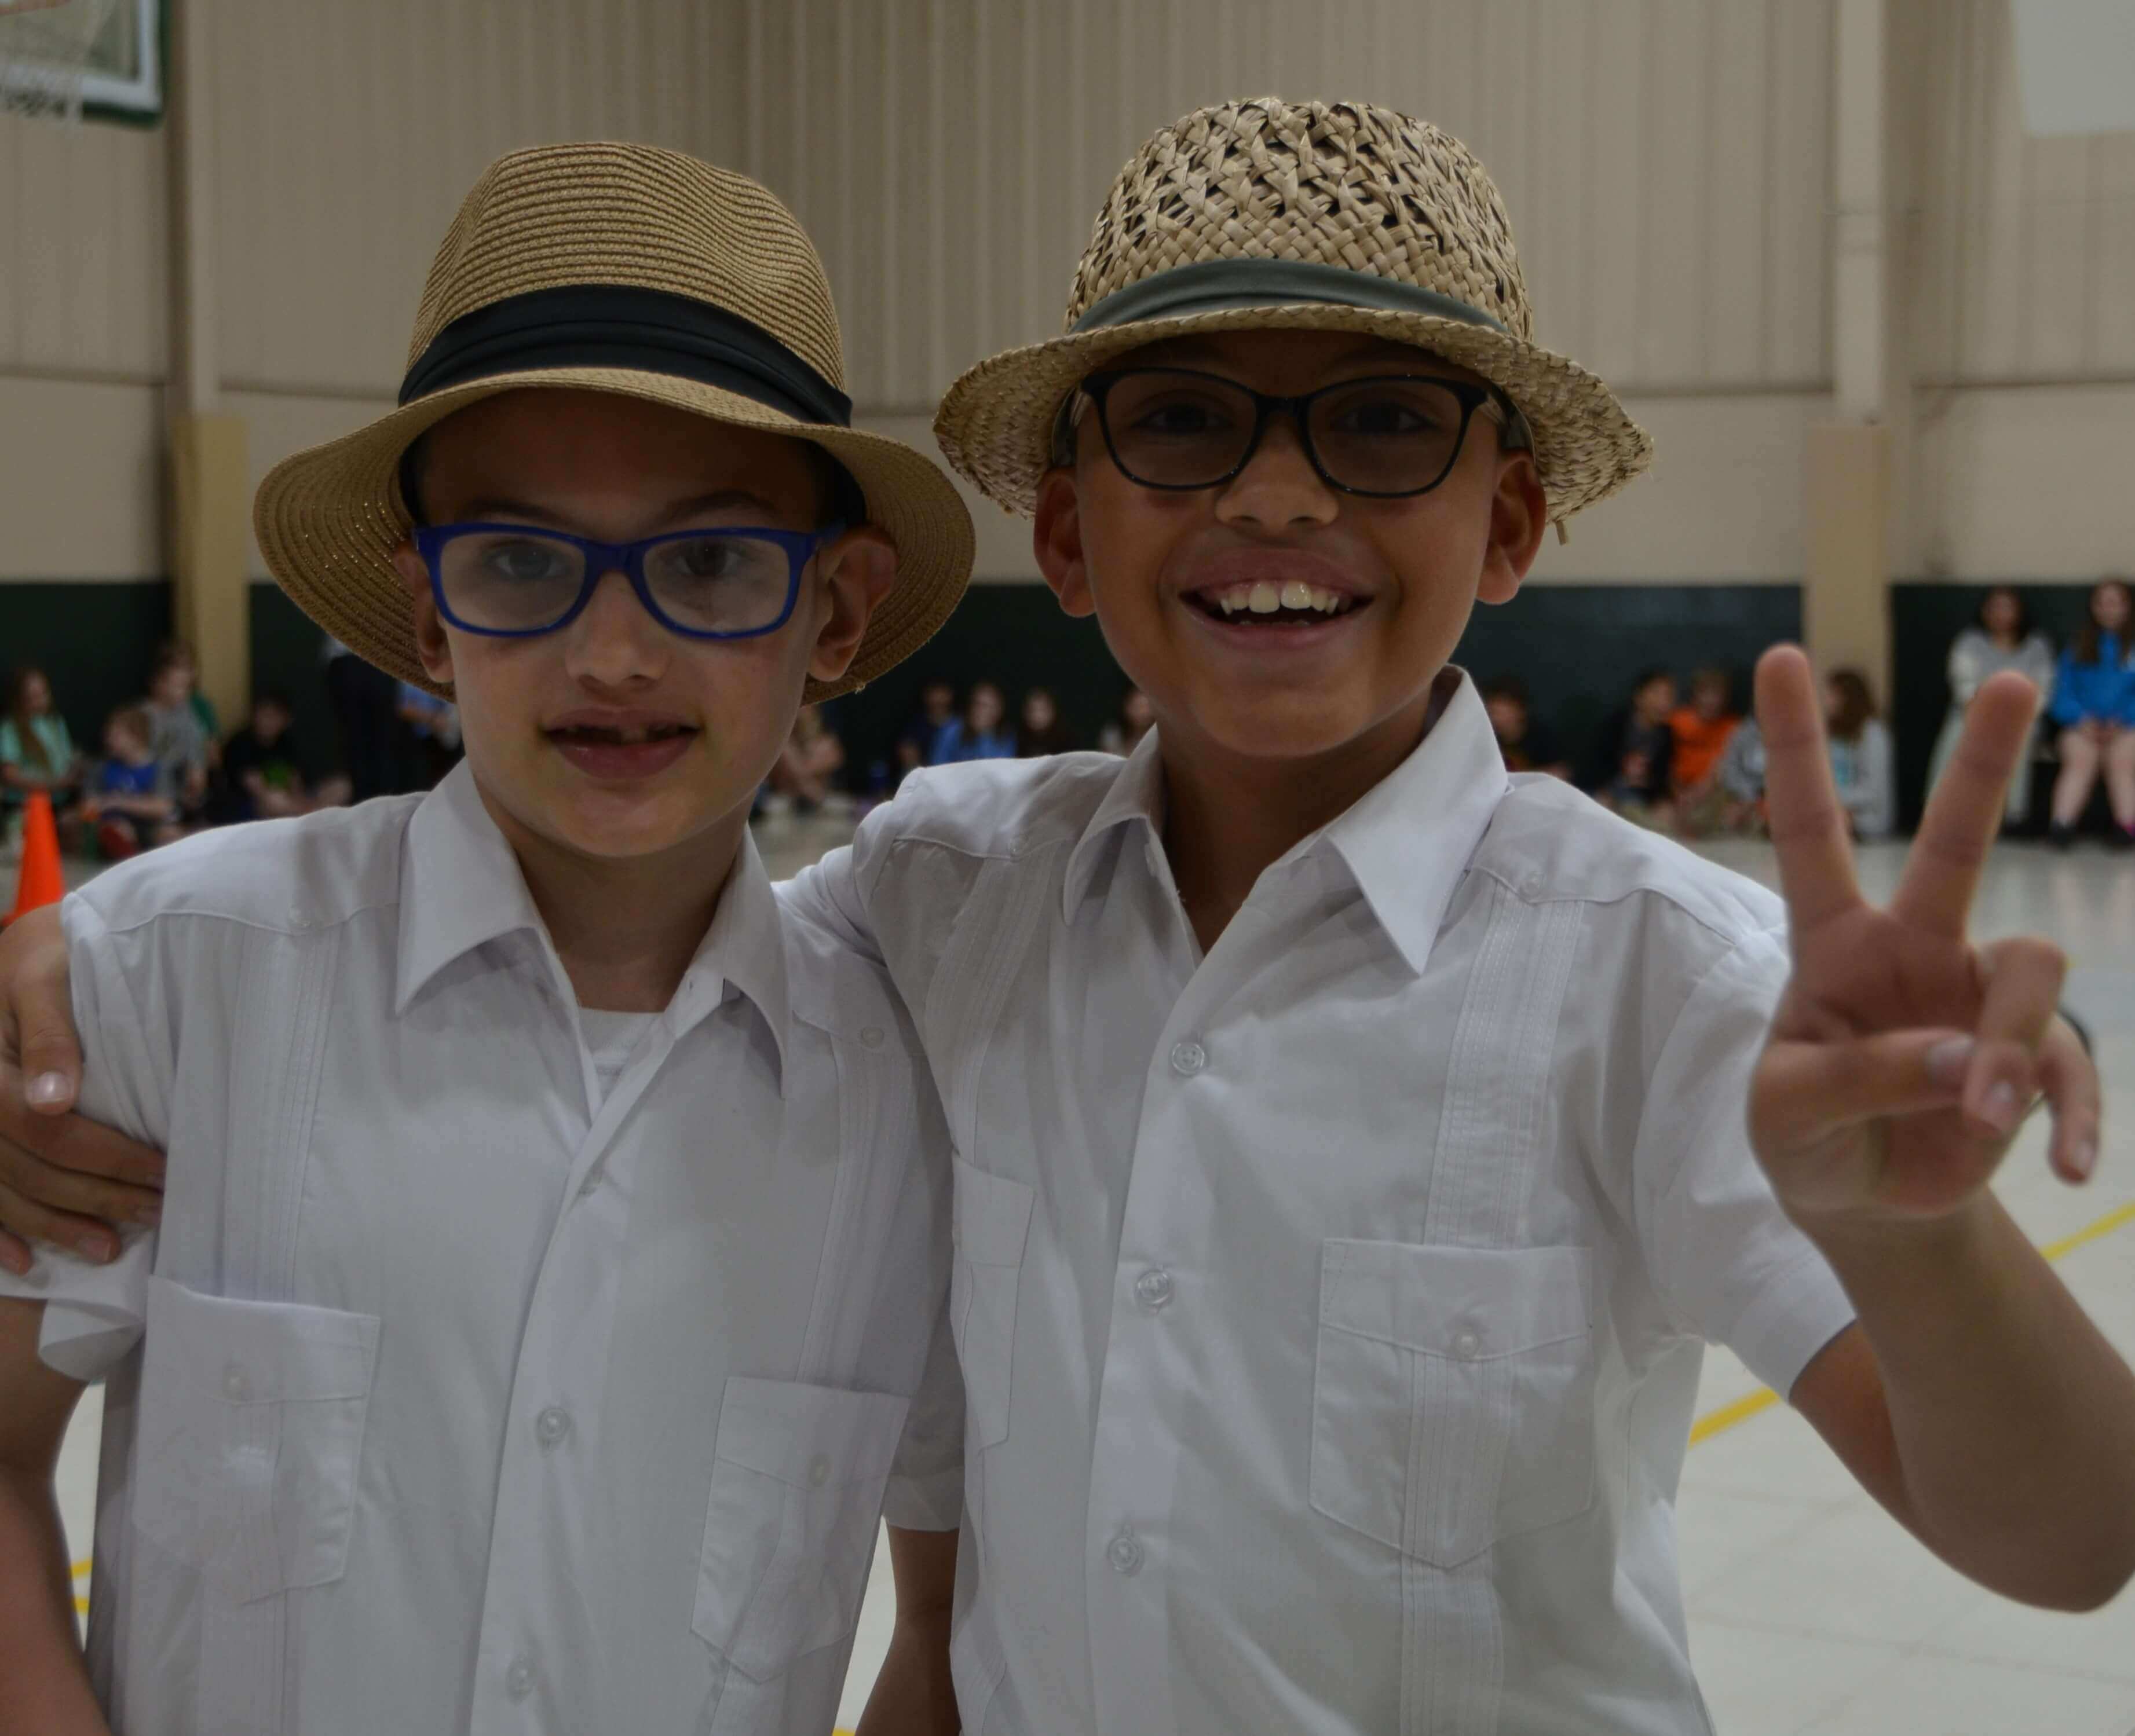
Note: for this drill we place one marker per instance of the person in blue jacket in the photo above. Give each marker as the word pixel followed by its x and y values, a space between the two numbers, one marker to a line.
pixel 2095 705
pixel 982 732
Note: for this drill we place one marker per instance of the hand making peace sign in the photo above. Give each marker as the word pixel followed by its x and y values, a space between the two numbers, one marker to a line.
pixel 1902 1057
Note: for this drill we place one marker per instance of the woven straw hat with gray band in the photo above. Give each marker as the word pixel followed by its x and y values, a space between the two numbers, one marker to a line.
pixel 1335 216
pixel 621 268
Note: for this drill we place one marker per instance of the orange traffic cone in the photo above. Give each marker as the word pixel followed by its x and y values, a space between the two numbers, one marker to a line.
pixel 43 882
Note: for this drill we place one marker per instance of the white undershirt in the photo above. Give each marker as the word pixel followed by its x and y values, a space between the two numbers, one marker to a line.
pixel 612 1039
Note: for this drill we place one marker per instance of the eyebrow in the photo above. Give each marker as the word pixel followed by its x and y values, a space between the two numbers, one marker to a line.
pixel 508 509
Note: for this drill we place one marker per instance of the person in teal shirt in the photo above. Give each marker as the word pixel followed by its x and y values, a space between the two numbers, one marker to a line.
pixel 2094 705
pixel 36 751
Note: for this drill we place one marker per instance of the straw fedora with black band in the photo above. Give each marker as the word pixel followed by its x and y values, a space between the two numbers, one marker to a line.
pixel 1319 216
pixel 621 268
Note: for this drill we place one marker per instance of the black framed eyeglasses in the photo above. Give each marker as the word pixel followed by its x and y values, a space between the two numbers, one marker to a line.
pixel 1386 437
pixel 515 581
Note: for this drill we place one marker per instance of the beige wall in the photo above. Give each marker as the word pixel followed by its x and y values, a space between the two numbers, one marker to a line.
pixel 1667 163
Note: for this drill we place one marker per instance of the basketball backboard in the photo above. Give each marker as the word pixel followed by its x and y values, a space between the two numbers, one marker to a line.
pixel 114 47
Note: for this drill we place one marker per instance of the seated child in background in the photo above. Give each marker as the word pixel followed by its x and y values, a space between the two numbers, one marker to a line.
pixel 264 768
pixel 1741 779
pixel 181 742
pixel 806 771
pixel 921 742
pixel 1136 718
pixel 133 797
pixel 1700 731
pixel 36 751
pixel 981 733
pixel 1526 744
pixel 1861 763
pixel 1043 730
pixel 1632 771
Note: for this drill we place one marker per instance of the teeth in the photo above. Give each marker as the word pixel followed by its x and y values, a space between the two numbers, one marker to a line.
pixel 1265 598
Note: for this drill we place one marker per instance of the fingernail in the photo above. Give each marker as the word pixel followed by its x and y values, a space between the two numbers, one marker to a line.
pixel 98 1248
pixel 2082 1157
pixel 1948 1060
pixel 45 1090
pixel 1998 1108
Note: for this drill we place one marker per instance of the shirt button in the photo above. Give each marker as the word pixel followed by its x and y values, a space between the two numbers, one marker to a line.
pixel 551 1426
pixel 1124 1553
pixel 236 1383
pixel 1153 1288
pixel 519 1679
pixel 1466 1341
pixel 819 1472
pixel 871 1037
pixel 1188 1059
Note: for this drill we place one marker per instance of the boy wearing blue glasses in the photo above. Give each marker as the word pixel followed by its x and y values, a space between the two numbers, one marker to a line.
pixel 542 1315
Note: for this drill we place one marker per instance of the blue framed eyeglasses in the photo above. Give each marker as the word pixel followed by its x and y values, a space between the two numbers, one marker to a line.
pixel 515 581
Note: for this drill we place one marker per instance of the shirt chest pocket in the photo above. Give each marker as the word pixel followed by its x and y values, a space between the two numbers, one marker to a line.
pixel 798 1482
pixel 1452 1394
pixel 992 1225
pixel 251 1424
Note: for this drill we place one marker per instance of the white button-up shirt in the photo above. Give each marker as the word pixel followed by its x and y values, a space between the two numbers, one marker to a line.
pixel 477 1393
pixel 1331 1307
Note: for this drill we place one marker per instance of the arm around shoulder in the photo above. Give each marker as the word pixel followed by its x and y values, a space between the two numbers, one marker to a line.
pixel 48 1689
pixel 915 1695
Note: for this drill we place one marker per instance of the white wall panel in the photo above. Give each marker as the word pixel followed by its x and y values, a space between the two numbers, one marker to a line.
pixel 1665 160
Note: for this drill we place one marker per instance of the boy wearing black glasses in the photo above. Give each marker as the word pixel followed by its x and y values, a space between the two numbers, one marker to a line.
pixel 1357 1146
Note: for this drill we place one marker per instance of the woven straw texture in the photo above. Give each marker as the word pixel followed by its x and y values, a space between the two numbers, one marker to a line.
pixel 1346 185
pixel 328 519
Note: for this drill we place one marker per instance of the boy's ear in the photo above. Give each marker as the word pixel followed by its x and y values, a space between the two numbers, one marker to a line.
pixel 858 571
pixel 431 645
pixel 1056 539
pixel 1519 515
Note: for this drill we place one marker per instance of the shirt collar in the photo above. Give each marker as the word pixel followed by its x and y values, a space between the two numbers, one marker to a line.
pixel 1136 794
pixel 1410 840
pixel 745 948
pixel 1407 842
pixel 460 888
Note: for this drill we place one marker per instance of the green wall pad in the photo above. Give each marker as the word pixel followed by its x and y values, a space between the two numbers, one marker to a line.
pixel 94 638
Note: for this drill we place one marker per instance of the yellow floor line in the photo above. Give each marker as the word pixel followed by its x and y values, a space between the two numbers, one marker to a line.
pixel 2091 1232
pixel 1720 1420
pixel 79 1569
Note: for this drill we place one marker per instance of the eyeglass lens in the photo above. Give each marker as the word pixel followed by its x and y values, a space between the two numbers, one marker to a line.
pixel 1185 430
pixel 521 581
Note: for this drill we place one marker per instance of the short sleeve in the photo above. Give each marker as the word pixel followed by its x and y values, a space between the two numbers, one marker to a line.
pixel 828 894
pixel 926 1481
pixel 94 1314
pixel 1729 1263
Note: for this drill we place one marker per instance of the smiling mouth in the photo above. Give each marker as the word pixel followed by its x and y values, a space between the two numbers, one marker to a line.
pixel 1264 603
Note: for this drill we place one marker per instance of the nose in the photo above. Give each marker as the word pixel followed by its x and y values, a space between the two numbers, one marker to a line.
pixel 615 644
pixel 1278 488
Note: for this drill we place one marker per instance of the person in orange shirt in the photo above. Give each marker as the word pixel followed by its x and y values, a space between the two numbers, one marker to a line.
pixel 1701 730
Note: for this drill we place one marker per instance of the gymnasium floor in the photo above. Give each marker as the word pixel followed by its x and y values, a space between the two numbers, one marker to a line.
pixel 1810 1611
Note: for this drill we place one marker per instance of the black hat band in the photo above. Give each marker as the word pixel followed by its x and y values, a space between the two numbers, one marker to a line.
pixel 620 326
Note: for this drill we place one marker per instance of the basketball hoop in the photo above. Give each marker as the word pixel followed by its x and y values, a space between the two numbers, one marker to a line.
pixel 45 47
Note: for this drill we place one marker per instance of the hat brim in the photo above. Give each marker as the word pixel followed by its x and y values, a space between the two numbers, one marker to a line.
pixel 328 519
pixel 995 425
